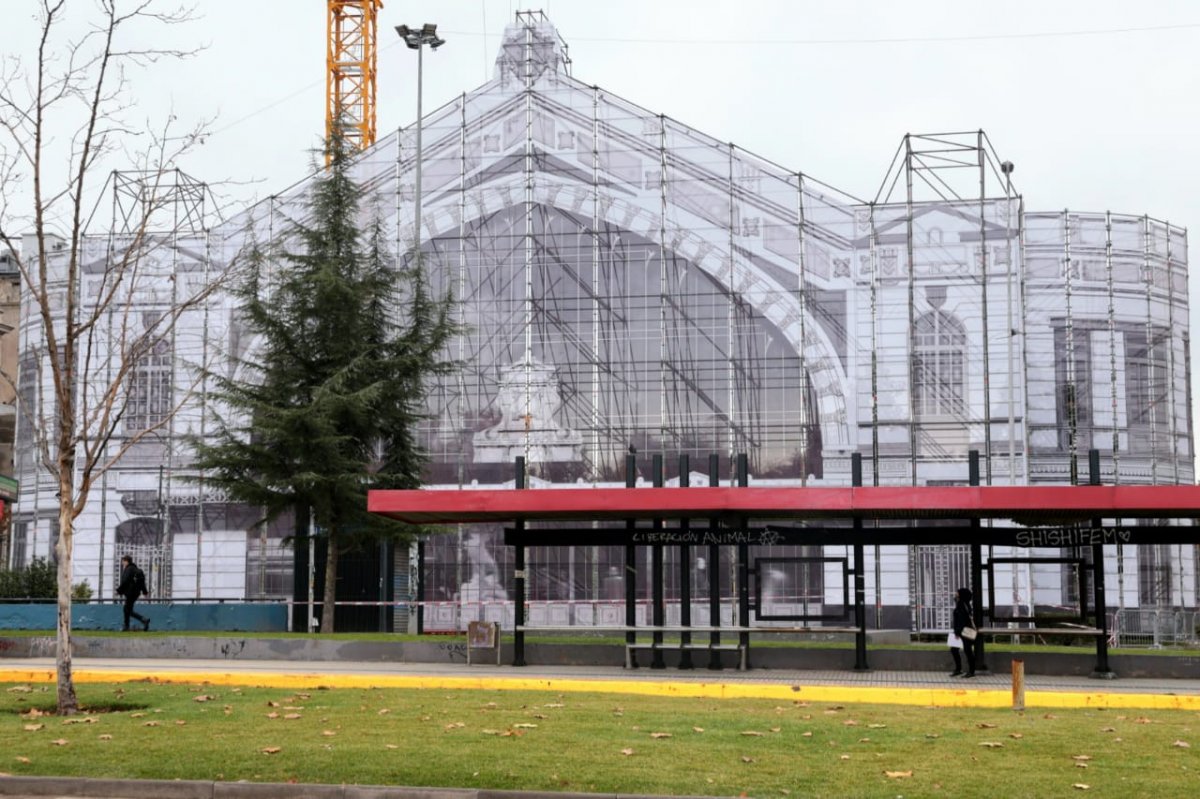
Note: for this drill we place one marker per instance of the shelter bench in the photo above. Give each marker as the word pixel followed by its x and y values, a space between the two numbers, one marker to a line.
pixel 1094 632
pixel 743 651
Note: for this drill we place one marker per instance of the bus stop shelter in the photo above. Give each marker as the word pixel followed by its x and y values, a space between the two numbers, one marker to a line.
pixel 1075 518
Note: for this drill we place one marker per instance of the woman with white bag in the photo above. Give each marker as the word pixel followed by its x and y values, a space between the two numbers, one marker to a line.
pixel 962 637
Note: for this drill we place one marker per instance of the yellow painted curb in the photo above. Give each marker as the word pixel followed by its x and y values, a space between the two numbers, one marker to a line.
pixel 921 697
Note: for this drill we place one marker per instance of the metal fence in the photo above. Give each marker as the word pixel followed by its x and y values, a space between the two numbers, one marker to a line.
pixel 1154 628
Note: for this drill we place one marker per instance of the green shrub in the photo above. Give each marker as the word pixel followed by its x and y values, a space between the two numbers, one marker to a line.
pixel 38 580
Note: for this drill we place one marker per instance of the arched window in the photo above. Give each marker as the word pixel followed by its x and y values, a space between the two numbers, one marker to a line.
pixel 939 366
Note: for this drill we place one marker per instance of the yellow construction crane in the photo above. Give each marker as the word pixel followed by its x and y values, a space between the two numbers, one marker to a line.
pixel 350 73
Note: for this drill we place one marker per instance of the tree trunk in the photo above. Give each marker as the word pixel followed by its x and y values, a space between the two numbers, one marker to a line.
pixel 331 557
pixel 67 702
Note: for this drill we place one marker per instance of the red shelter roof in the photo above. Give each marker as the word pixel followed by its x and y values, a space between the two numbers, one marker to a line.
pixel 1028 504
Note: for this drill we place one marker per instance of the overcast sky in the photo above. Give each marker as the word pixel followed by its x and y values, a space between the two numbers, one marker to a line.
pixel 1094 101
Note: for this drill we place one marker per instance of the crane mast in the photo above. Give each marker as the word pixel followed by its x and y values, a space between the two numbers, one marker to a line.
pixel 350 74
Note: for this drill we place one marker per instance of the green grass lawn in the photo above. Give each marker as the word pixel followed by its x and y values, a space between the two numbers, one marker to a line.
pixel 595 743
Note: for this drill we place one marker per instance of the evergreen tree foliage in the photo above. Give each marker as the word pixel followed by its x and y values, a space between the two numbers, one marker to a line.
pixel 327 406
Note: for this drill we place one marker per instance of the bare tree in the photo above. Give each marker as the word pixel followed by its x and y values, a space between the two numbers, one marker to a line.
pixel 66 115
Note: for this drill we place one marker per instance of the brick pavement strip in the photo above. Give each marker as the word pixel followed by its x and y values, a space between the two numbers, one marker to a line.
pixel 72 788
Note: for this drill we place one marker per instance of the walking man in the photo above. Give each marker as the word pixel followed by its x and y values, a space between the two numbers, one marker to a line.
pixel 132 587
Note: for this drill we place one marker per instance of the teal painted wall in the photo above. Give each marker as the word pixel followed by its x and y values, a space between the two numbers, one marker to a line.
pixel 212 617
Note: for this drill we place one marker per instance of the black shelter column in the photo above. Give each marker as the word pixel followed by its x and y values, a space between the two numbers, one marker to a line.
pixel 658 610
pixel 743 568
pixel 860 584
pixel 685 574
pixel 1102 670
pixel 976 568
pixel 714 572
pixel 631 566
pixel 519 575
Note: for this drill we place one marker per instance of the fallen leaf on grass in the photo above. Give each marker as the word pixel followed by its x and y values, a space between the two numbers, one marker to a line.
pixel 895 775
pixel 136 715
pixel 1081 765
pixel 850 723
pixel 844 757
pixel 383 711
pixel 272 715
pixel 489 732
pixel 627 751
pixel 202 698
pixel 272 704
pixel 33 727
pixel 540 716
pixel 864 740
pixel 20 689
pixel 877 726
pixel 180 722
pixel 524 726
pixel 807 734
pixel 1081 757
pixel 776 729
pixel 752 733
pixel 32 713
pixel 660 735
pixel 390 746
pixel 21 759
pixel 1182 744
pixel 271 750
pixel 1081 786
pixel 150 724
pixel 291 716
pixel 992 744
pixel 105 737
pixel 1049 716
pixel 746 759
pixel 60 742
pixel 512 733
pixel 697 729
pixel 455 725
pixel 932 735
pixel 328 733
pixel 1016 735
pixel 983 725
pixel 555 704
pixel 81 720
pixel 1108 729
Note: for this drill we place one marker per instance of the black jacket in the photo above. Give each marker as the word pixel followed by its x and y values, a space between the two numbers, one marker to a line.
pixel 133 582
pixel 962 617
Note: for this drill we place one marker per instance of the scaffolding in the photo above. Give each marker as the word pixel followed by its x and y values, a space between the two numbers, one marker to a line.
pixel 627 283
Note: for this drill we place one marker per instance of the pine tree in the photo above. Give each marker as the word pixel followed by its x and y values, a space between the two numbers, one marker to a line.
pixel 330 402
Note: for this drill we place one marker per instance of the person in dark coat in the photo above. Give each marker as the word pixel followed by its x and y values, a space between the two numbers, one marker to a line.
pixel 963 618
pixel 132 587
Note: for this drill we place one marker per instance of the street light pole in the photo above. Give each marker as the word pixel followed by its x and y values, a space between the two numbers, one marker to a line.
pixel 416 39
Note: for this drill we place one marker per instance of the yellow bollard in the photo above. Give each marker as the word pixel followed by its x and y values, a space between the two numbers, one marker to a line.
pixel 1018 684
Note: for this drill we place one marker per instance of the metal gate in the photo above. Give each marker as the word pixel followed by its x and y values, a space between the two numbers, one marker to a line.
pixel 940 571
